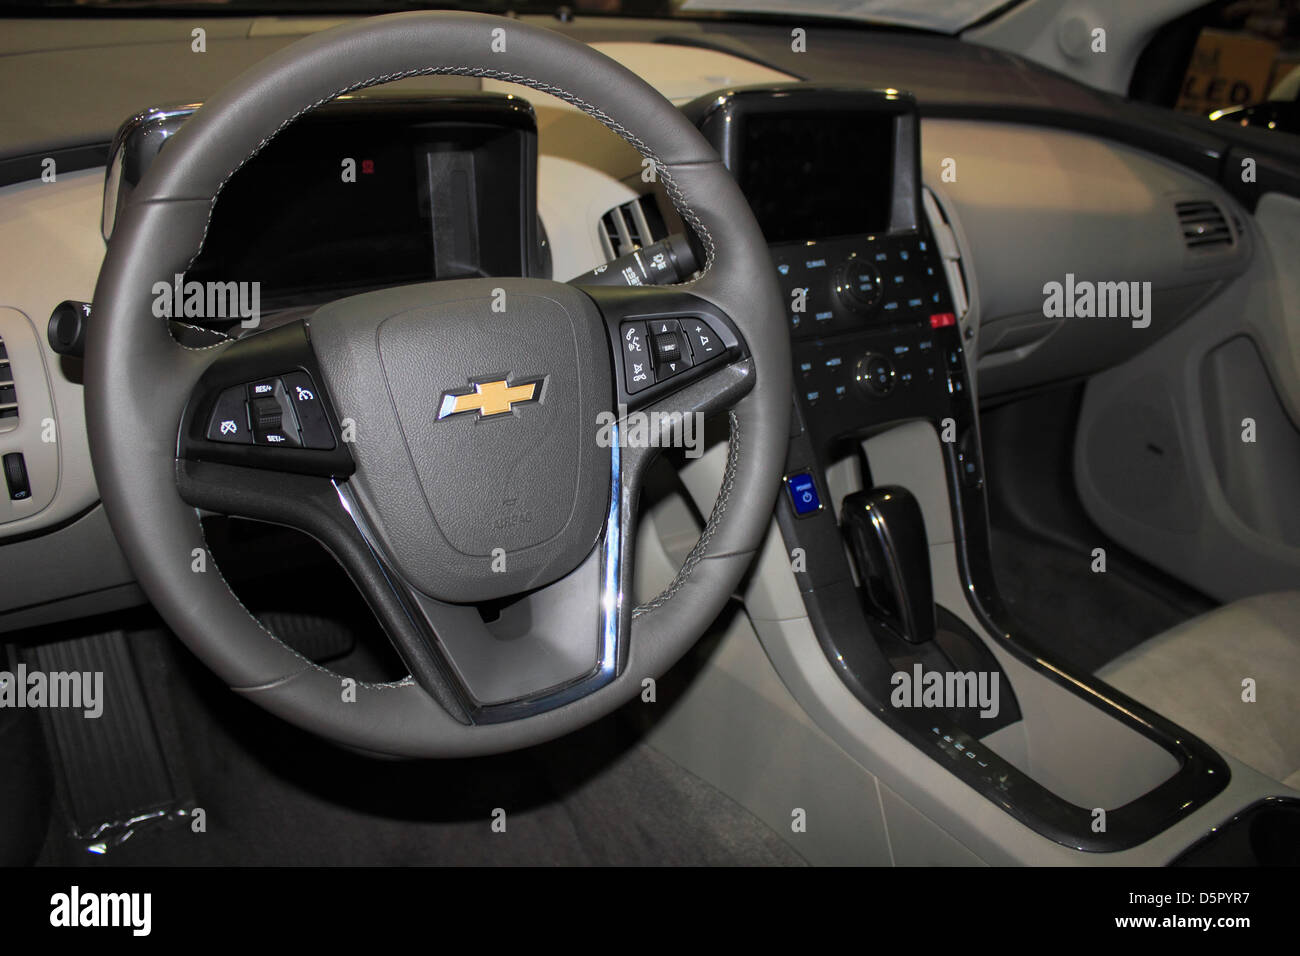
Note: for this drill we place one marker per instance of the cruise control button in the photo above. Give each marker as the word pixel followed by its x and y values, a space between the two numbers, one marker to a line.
pixel 262 389
pixel 229 422
pixel 271 414
pixel 266 414
pixel 313 423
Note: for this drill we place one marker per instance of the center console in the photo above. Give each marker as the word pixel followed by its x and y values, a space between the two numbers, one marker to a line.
pixel 833 178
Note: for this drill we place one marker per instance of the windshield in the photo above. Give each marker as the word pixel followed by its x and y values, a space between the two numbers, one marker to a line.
pixel 944 16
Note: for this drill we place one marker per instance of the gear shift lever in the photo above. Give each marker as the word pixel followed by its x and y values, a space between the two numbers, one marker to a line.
pixel 886 533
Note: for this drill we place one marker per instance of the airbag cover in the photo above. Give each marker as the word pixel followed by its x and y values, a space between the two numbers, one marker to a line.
pixel 475 405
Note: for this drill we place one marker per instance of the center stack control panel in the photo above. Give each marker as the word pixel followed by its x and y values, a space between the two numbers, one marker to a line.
pixel 873 333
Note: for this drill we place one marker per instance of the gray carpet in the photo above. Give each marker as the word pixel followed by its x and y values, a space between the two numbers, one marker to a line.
pixel 1089 619
pixel 276 796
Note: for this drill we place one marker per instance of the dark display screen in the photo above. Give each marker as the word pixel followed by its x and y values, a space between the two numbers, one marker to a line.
pixel 341 206
pixel 817 175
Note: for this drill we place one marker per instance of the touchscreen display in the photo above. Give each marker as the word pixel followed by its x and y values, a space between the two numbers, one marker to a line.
pixel 817 174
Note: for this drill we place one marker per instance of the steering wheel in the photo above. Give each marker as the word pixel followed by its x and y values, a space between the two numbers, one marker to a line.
pixel 450 448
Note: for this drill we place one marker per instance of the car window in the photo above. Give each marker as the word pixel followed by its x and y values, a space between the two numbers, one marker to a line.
pixel 1234 61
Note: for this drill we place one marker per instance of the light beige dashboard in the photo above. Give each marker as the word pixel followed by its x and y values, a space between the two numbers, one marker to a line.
pixel 51 246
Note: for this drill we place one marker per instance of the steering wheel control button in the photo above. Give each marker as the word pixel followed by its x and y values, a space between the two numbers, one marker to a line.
pixel 267 414
pixel 803 494
pixel 704 342
pixel 668 369
pixel 637 370
pixel 271 415
pixel 229 421
pixel 313 424
pixel 669 349
pixel 874 374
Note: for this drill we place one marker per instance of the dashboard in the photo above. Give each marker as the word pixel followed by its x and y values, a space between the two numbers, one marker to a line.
pixel 886 199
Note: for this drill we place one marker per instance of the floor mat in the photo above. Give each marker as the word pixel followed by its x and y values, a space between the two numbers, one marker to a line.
pixel 1088 618
pixel 1042 541
pixel 273 795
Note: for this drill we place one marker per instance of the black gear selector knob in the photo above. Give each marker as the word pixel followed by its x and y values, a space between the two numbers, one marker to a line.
pixel 886 533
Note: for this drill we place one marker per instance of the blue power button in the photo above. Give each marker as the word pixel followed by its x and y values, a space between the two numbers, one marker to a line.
pixel 803 493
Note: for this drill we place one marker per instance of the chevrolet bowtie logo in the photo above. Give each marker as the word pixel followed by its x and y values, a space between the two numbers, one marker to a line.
pixel 489 398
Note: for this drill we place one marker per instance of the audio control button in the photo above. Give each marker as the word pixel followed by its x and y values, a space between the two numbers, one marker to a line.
pixel 874 375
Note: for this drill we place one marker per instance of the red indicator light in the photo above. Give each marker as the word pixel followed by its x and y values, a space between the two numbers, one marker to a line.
pixel 367 166
pixel 941 319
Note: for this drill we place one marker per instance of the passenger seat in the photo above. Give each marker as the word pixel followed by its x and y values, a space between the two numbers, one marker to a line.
pixel 1194 673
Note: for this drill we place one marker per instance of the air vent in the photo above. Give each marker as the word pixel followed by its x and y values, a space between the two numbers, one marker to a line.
pixel 1204 225
pixel 8 394
pixel 630 226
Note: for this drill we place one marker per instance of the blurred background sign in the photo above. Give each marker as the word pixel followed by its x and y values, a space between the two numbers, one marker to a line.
pixel 1227 69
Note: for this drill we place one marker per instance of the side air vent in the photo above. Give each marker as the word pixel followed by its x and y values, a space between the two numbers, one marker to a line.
pixel 1204 225
pixel 630 226
pixel 8 394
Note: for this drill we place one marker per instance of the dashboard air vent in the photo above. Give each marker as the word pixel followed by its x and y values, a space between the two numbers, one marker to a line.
pixel 630 226
pixel 8 394
pixel 1204 224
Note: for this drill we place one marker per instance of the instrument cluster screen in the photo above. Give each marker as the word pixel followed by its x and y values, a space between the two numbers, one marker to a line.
pixel 363 200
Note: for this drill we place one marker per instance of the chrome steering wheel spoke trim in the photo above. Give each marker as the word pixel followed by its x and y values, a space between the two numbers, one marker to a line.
pixel 609 622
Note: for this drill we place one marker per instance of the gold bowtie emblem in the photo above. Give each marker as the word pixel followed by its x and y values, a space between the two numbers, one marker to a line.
pixel 488 398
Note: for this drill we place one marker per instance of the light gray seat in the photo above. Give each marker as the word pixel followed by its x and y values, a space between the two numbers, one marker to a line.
pixel 1193 675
